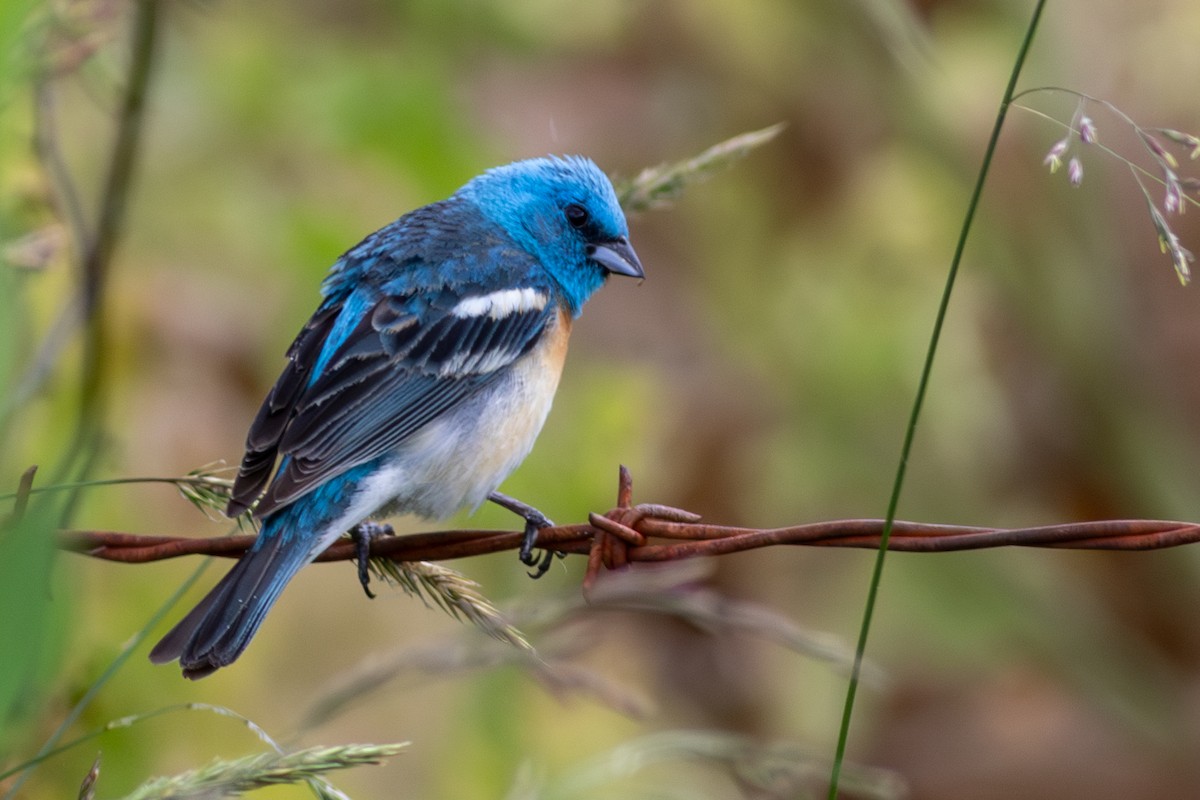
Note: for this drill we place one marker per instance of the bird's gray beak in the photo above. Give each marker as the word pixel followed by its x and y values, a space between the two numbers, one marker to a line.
pixel 617 257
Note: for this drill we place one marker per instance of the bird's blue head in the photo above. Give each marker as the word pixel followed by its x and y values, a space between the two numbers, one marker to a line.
pixel 564 211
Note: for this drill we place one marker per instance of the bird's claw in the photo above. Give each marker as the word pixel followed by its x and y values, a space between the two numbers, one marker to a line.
pixel 534 521
pixel 363 534
pixel 529 558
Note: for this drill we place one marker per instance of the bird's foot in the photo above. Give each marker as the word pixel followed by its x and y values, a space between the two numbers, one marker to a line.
pixel 363 534
pixel 534 521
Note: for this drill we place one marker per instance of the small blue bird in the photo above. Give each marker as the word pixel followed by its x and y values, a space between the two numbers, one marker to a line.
pixel 420 382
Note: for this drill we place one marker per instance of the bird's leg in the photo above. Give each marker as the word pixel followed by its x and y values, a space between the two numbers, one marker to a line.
pixel 534 522
pixel 363 534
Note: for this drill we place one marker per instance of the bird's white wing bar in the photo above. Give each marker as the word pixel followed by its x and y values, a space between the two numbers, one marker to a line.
pixel 501 304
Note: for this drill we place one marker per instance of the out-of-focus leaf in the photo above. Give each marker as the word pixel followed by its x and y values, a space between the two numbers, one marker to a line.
pixel 26 635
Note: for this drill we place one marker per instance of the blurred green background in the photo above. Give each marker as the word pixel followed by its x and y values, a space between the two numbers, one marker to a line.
pixel 761 376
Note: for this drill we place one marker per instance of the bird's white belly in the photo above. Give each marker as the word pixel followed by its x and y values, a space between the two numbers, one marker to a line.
pixel 457 460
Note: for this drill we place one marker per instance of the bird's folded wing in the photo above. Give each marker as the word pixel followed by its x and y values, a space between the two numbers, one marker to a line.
pixel 395 371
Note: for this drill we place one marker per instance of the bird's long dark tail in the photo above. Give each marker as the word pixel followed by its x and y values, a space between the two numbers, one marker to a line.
pixel 217 630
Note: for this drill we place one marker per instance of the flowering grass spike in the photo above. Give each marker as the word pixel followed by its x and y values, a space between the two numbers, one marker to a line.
pixel 1175 197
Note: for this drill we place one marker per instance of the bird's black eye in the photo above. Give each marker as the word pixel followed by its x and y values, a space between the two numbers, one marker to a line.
pixel 577 215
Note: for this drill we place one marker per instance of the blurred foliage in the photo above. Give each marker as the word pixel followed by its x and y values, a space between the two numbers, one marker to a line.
pixel 761 375
pixel 32 622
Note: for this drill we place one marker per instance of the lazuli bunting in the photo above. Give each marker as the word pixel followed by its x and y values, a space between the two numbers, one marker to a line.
pixel 420 382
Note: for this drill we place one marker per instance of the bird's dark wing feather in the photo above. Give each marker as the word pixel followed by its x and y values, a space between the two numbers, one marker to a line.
pixel 262 442
pixel 393 373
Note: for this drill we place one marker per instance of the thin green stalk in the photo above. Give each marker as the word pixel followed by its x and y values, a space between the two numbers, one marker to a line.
pixel 919 400
pixel 134 719
pixel 186 480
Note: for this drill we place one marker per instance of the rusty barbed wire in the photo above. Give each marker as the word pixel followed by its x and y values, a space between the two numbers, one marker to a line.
pixel 622 536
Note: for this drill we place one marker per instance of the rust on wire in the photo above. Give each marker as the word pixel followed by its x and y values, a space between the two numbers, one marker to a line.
pixel 623 535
